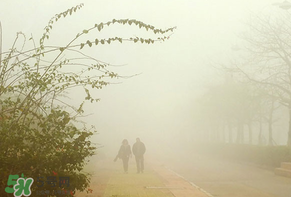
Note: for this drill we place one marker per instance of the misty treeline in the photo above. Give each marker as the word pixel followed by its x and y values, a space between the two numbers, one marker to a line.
pixel 255 92
pixel 41 133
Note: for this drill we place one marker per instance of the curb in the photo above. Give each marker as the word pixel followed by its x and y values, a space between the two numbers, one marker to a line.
pixel 194 185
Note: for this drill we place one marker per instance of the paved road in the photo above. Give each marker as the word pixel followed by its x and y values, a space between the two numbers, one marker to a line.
pixel 223 178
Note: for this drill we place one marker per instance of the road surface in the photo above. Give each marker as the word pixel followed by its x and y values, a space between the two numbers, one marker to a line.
pixel 222 178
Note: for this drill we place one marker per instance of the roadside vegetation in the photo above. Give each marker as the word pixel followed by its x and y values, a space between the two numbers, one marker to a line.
pixel 240 116
pixel 41 135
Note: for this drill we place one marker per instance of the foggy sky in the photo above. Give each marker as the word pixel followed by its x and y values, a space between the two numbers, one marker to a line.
pixel 159 102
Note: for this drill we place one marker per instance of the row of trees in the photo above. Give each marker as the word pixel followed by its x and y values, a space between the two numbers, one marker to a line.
pixel 40 133
pixel 256 91
pixel 237 113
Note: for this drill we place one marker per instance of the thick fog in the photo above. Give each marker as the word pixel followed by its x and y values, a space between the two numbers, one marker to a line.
pixel 159 103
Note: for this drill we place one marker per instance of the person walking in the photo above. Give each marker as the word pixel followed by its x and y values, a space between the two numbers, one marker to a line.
pixel 124 153
pixel 138 150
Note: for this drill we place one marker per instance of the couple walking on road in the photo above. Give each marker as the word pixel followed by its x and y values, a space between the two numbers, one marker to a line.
pixel 138 149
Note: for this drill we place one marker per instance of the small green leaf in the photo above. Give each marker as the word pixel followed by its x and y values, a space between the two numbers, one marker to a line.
pixel 85 31
pixel 100 27
pixel 89 43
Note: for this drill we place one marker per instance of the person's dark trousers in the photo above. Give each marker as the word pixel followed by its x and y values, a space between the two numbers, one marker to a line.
pixel 139 163
pixel 125 163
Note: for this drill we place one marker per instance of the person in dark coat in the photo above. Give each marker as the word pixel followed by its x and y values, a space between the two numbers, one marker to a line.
pixel 124 153
pixel 138 150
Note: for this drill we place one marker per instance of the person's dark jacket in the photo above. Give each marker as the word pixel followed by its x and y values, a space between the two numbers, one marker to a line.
pixel 138 149
pixel 124 151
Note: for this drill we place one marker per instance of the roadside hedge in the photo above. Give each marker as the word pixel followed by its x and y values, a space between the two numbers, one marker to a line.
pixel 269 156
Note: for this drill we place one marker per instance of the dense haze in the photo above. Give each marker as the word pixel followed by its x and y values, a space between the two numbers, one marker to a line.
pixel 158 104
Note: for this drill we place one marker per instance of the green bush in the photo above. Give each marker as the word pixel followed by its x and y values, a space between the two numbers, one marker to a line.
pixel 52 147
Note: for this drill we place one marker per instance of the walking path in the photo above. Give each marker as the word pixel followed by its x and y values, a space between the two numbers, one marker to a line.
pixel 108 180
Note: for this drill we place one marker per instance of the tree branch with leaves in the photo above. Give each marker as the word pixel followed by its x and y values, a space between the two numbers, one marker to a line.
pixel 40 132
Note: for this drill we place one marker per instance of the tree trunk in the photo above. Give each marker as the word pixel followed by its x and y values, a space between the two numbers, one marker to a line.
pixel 250 133
pixel 270 134
pixel 239 136
pixel 289 133
pixel 260 132
pixel 229 133
pixel 242 134
pixel 223 133
pixel 270 123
